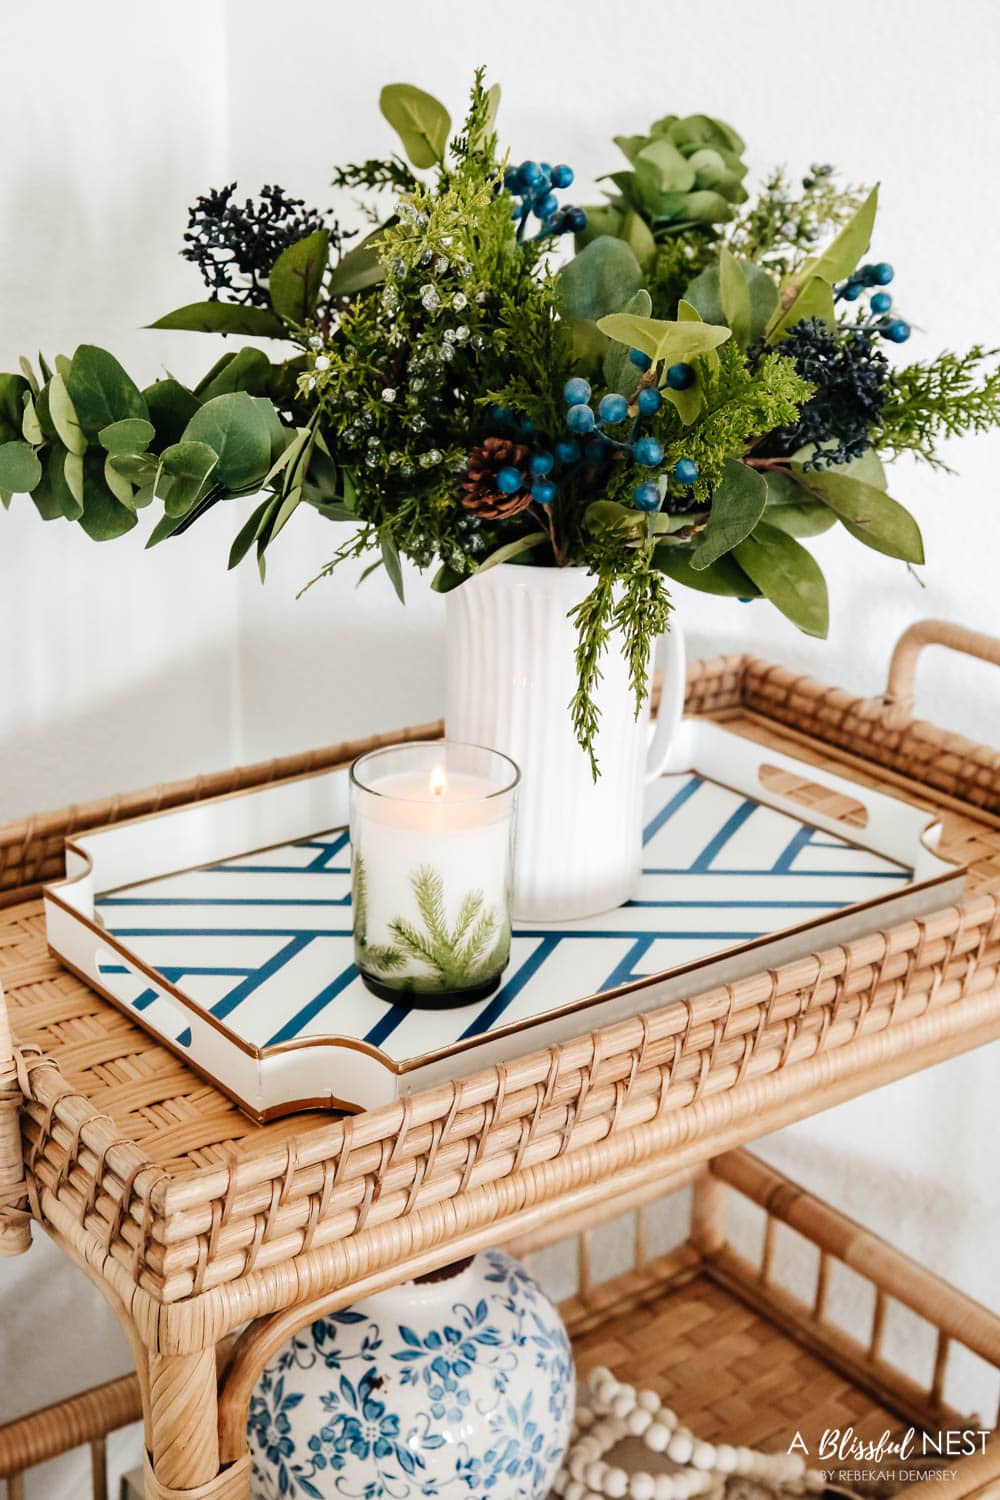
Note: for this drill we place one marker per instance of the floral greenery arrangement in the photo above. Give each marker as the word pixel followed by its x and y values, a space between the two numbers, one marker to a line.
pixel 688 398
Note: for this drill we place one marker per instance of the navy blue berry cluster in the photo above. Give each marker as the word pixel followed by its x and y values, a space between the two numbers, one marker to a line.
pixel 866 278
pixel 584 423
pixel 590 441
pixel 533 185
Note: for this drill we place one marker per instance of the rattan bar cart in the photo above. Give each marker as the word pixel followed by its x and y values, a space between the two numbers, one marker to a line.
pixel 213 1238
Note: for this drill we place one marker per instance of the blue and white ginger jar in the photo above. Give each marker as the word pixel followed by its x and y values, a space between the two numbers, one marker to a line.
pixel 460 1387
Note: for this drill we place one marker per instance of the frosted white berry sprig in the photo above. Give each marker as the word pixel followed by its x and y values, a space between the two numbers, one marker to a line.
pixel 609 1411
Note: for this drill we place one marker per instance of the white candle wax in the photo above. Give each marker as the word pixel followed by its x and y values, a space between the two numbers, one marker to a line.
pixel 434 880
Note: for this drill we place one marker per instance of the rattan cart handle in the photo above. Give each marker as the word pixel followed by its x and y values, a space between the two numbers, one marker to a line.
pixel 898 699
pixel 15 1221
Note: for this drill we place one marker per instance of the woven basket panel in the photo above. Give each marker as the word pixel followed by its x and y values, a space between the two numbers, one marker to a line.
pixel 730 1374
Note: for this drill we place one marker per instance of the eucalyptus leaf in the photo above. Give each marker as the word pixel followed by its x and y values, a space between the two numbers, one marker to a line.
pixel 183 475
pixel 137 468
pixel 13 390
pixel 600 280
pixel 724 577
pixel 53 496
pixel 43 413
pixel 64 417
pixel 118 485
pixel 130 435
pixel 224 317
pixel 602 218
pixel 620 373
pixel 357 270
pixel 636 233
pixel 247 370
pixel 734 295
pixel 870 515
pixel 247 534
pixel 788 575
pixel 20 470
pixel 73 474
pixel 421 122
pixel 171 407
pixel 737 505
pixel 296 278
pixel 704 293
pixel 390 556
pixel 104 516
pixel 661 340
pixel 234 427
pixel 688 402
pixel 31 427
pixel 278 435
pixel 100 390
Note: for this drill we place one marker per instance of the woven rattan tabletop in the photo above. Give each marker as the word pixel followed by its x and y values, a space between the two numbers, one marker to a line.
pixel 149 1170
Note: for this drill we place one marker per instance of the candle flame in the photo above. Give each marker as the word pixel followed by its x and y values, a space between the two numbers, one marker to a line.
pixel 439 781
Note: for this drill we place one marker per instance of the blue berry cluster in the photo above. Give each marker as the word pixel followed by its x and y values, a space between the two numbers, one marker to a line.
pixel 586 424
pixel 511 479
pixel 865 278
pixel 534 184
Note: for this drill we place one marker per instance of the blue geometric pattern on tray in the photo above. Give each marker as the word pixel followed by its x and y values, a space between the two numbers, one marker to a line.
pixel 263 941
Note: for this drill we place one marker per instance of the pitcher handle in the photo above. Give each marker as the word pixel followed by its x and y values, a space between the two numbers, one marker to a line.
pixel 672 660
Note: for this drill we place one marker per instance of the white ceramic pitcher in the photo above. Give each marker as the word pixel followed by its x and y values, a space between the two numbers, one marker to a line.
pixel 511 676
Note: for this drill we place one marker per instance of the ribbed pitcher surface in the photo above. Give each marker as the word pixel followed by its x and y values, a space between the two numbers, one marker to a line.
pixel 511 677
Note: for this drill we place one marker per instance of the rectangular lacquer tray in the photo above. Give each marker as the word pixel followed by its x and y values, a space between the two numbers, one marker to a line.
pixel 224 926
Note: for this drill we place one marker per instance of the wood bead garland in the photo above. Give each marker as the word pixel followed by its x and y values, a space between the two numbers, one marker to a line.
pixel 608 1412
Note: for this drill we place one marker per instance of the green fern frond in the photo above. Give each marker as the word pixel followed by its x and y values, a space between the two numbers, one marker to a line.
pixel 417 944
pixel 385 959
pixel 478 938
pixel 428 888
pixel 467 913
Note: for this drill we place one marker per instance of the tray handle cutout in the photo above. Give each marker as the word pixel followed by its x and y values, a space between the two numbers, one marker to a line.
pixel 812 796
pixel 133 990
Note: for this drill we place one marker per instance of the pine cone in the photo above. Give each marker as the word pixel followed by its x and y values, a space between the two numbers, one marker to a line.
pixel 480 482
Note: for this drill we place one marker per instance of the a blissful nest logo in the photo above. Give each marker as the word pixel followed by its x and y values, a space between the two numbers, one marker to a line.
pixel 874 1459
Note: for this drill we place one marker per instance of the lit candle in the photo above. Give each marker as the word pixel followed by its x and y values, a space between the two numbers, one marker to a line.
pixel 431 838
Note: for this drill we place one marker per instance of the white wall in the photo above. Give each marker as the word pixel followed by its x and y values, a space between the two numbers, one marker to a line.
pixel 119 667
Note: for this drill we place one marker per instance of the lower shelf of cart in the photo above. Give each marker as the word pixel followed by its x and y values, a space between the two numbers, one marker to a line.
pixel 819 1331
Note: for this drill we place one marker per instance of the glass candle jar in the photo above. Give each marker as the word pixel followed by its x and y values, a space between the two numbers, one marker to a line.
pixel 432 828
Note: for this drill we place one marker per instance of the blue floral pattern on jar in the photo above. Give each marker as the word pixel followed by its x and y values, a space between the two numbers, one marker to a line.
pixel 456 1389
